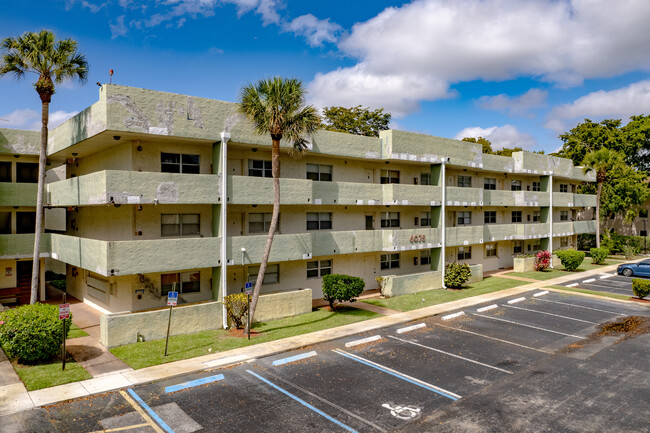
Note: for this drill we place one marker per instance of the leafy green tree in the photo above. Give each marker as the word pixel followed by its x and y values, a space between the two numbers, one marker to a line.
pixel 355 120
pixel 637 136
pixel 508 151
pixel 277 107
pixel 53 62
pixel 487 144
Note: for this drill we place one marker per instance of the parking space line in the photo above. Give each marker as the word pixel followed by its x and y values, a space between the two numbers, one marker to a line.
pixel 590 280
pixel 573 285
pixel 453 315
pixel 193 383
pixel 294 358
pixel 128 427
pixel 488 308
pixel 581 306
pixel 493 338
pixel 529 326
pixel 399 375
pixel 411 328
pixel 551 314
pixel 603 276
pixel 363 341
pixel 514 301
pixel 303 402
pixel 147 413
pixel 450 354
pixel 611 288
pixel 538 294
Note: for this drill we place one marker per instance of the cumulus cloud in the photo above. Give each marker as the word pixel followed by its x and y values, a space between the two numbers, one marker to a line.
pixel 500 136
pixel 618 104
pixel 118 28
pixel 315 30
pixel 31 119
pixel 515 106
pixel 436 43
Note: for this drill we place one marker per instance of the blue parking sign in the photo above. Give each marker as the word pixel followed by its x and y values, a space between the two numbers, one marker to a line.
pixel 249 289
pixel 172 299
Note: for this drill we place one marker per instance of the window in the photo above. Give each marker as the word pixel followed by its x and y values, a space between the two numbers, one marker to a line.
pixel 317 268
pixel 186 282
pixel 564 215
pixel 25 222
pixel 564 187
pixel 5 223
pixel 27 172
pixel 319 172
pixel 5 171
pixel 490 217
pixel 518 247
pixel 489 183
pixel 180 224
pixel 464 181
pixel 390 261
pixel 259 168
pixel 464 218
pixel 490 250
pixel 425 257
pixel 389 219
pixel 536 246
pixel 319 220
pixel 259 222
pixel 464 253
pixel 389 176
pixel 516 216
pixel 643 213
pixel 425 178
pixel 425 219
pixel 537 186
pixel 536 216
pixel 564 242
pixel 515 185
pixel 179 163
pixel 272 274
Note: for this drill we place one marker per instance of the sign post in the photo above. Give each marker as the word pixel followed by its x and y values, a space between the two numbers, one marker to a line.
pixel 249 292
pixel 64 314
pixel 172 300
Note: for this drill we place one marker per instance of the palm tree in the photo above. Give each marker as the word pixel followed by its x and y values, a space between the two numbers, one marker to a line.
pixel 53 62
pixel 277 107
pixel 600 161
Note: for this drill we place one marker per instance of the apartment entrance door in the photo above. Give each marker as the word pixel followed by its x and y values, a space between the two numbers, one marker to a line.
pixel 369 271
pixel 24 280
pixel 370 222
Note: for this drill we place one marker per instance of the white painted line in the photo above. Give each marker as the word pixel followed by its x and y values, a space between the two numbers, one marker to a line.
pixel 582 306
pixel 362 341
pixel 590 280
pixel 411 328
pixel 451 316
pixel 573 285
pixel 545 292
pixel 603 276
pixel 225 361
pixel 514 301
pixel 451 354
pixel 294 358
pixel 550 314
pixel 489 307
pixel 530 326
pixel 493 338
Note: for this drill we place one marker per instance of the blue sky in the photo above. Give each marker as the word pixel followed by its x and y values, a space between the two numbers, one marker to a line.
pixel 518 72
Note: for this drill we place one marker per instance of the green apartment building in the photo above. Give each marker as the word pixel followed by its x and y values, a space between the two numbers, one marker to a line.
pixel 162 188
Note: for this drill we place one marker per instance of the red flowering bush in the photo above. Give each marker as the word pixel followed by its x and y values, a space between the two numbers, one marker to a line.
pixel 542 260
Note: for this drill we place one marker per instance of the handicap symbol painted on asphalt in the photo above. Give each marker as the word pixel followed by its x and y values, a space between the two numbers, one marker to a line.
pixel 403 412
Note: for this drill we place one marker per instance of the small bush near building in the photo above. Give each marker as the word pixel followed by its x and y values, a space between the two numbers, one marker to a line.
pixel 586 241
pixel 542 260
pixel 628 251
pixel 237 308
pixel 457 274
pixel 598 255
pixel 32 333
pixel 641 288
pixel 570 258
pixel 341 288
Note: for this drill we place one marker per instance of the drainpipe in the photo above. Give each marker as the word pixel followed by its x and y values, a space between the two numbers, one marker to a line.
pixel 225 136
pixel 550 218
pixel 443 218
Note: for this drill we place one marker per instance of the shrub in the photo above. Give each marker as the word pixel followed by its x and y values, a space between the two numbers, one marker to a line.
pixel 570 258
pixel 457 274
pixel 32 333
pixel 237 308
pixel 59 284
pixel 628 251
pixel 586 241
pixel 641 288
pixel 341 288
pixel 542 260
pixel 598 255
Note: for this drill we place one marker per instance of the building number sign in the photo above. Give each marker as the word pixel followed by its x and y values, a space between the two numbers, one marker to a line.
pixel 418 238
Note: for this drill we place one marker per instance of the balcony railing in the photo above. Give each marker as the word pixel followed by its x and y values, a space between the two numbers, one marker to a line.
pixel 457 196
pixel 21 246
pixel 18 194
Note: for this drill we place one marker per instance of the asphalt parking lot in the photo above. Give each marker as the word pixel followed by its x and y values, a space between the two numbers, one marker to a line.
pixel 606 282
pixel 526 364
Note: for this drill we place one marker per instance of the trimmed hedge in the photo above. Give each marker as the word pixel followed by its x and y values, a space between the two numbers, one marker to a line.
pixel 641 288
pixel 341 288
pixel 237 308
pixel 599 255
pixel 457 274
pixel 570 258
pixel 32 333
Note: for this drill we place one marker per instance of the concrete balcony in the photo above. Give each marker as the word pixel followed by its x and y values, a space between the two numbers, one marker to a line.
pixel 257 190
pixel 503 232
pixel 133 187
pixel 567 199
pixel 465 235
pixel 457 196
pixel 580 227
pixel 18 194
pixel 21 246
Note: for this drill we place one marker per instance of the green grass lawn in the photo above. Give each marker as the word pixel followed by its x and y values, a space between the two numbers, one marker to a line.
pixel 76 332
pixel 439 296
pixel 140 355
pixel 560 272
pixel 591 292
pixel 46 375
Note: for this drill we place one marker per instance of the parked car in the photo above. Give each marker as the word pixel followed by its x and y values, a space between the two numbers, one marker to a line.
pixel 640 269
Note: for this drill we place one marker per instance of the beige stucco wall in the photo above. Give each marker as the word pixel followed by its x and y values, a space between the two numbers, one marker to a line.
pixel 285 304
pixel 7 267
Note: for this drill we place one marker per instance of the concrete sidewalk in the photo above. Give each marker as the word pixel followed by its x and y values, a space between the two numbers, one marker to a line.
pixel 14 397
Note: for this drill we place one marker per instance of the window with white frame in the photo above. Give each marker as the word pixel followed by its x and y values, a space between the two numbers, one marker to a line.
pixel 389 176
pixel 515 185
pixel 319 172
pixel 389 219
pixel 318 268
pixel 564 215
pixel 259 168
pixel 535 246
pixel 564 242
pixel 425 178
pixel 390 261
pixel 518 247
pixel 490 217
pixel 490 183
pixel 271 275
pixel 564 187
pixel 490 250
pixel 537 186
pixel 425 257
pixel 319 220
pixel 516 216
pixel 179 163
pixel 536 216
pixel 259 222
pixel 425 219
pixel 180 224
pixel 464 253
pixel 185 282
pixel 464 218
pixel 464 181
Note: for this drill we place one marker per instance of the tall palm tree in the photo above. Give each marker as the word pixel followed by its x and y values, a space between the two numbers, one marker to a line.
pixel 276 106
pixel 53 62
pixel 601 162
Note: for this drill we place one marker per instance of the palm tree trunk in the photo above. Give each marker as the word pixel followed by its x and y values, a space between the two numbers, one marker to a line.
pixel 45 109
pixel 275 171
pixel 598 191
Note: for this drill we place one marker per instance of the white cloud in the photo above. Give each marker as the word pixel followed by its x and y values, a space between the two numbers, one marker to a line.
pixel 500 136
pixel 118 28
pixel 618 104
pixel 316 31
pixel 31 119
pixel 436 43
pixel 173 9
pixel 515 106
